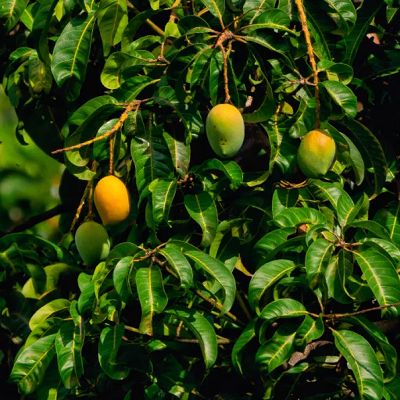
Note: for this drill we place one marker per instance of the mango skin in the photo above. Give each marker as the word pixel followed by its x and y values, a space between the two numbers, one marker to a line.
pixel 112 200
pixel 316 153
pixel 225 130
pixel 92 242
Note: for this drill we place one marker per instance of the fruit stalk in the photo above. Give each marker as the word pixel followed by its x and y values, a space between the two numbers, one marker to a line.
pixel 310 51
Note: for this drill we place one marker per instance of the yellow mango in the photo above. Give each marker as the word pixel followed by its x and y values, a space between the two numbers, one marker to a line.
pixel 92 242
pixel 316 153
pixel 225 130
pixel 112 200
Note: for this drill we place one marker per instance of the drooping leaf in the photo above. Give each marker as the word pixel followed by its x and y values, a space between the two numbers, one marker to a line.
pixel 283 308
pixel 343 97
pixel 241 343
pixel 11 11
pixel 364 364
pixel 295 216
pixel 231 170
pixel 265 278
pixel 109 344
pixel 71 54
pixel 382 278
pixel 217 270
pixel 216 7
pixel 389 218
pixel 55 308
pixel 152 296
pixel 202 209
pixel 201 329
pixel 317 259
pixel 283 199
pixel 163 195
pixel 310 329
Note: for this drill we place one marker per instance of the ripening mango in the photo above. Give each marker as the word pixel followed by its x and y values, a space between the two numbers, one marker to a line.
pixel 92 242
pixel 112 200
pixel 316 153
pixel 225 130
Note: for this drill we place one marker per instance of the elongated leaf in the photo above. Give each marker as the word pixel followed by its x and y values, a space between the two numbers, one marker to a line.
pixel 391 391
pixel 152 296
pixel 327 192
pixel 343 13
pixel 273 239
pixel 348 211
pixel 123 277
pixel 382 278
pixel 390 218
pixel 388 351
pixel 240 345
pixel 371 151
pixel 179 151
pixel 317 259
pixel 337 275
pixel 364 364
pixel 373 227
pixel 201 329
pixel 163 196
pixel 11 11
pixel 278 349
pixel 365 16
pixel 53 309
pixel 310 329
pixel 180 265
pixel 40 28
pixel 283 199
pixel 30 368
pixel 46 328
pixel 216 7
pixel 270 19
pixel 265 278
pixel 343 97
pixel 390 249
pixel 231 170
pixel 283 308
pixel 150 155
pixel 112 21
pixel 71 54
pixel 295 216
pixel 110 341
pixel 69 342
pixel 202 209
pixel 217 270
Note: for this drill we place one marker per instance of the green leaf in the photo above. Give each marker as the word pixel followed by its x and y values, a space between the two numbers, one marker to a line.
pixel 363 362
pixel 241 343
pixel 52 309
pixel 347 211
pixel 382 278
pixel 163 196
pixel 283 199
pixel 391 391
pixel 150 155
pixel 40 28
pixel 373 227
pixel 46 328
pixel 371 151
pixel 30 367
pixel 365 15
pixel 274 19
pixel 278 349
pixel 179 152
pixel 124 277
pixel 318 257
pixel 273 239
pixel 265 278
pixel 337 275
pixel 344 14
pixel 231 170
pixel 180 265
pixel 283 308
pixel 71 54
pixel 337 71
pixel 11 11
pixel 388 351
pixel 216 7
pixel 69 342
pixel 112 20
pixel 152 296
pixel 295 216
pixel 217 270
pixel 201 329
pixel 390 219
pixel 110 341
pixel 202 209
pixel 310 329
pixel 343 97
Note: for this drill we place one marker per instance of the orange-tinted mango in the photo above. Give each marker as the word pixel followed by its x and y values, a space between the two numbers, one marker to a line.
pixel 112 200
pixel 92 242
pixel 316 153
pixel 225 130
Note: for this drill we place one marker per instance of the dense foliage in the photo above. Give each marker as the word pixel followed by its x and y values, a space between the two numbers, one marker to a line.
pixel 230 279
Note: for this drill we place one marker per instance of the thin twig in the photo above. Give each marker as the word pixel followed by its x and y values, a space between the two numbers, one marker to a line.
pixel 226 78
pixel 337 316
pixel 111 169
pixel 310 51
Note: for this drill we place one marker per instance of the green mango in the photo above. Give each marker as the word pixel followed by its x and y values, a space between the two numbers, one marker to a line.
pixel 92 242
pixel 316 153
pixel 225 130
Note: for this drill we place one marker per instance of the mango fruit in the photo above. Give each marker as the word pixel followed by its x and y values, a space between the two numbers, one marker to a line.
pixel 316 153
pixel 112 200
pixel 92 242
pixel 225 130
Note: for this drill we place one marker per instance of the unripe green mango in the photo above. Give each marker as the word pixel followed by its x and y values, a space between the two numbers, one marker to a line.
pixel 92 242
pixel 225 130
pixel 316 153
